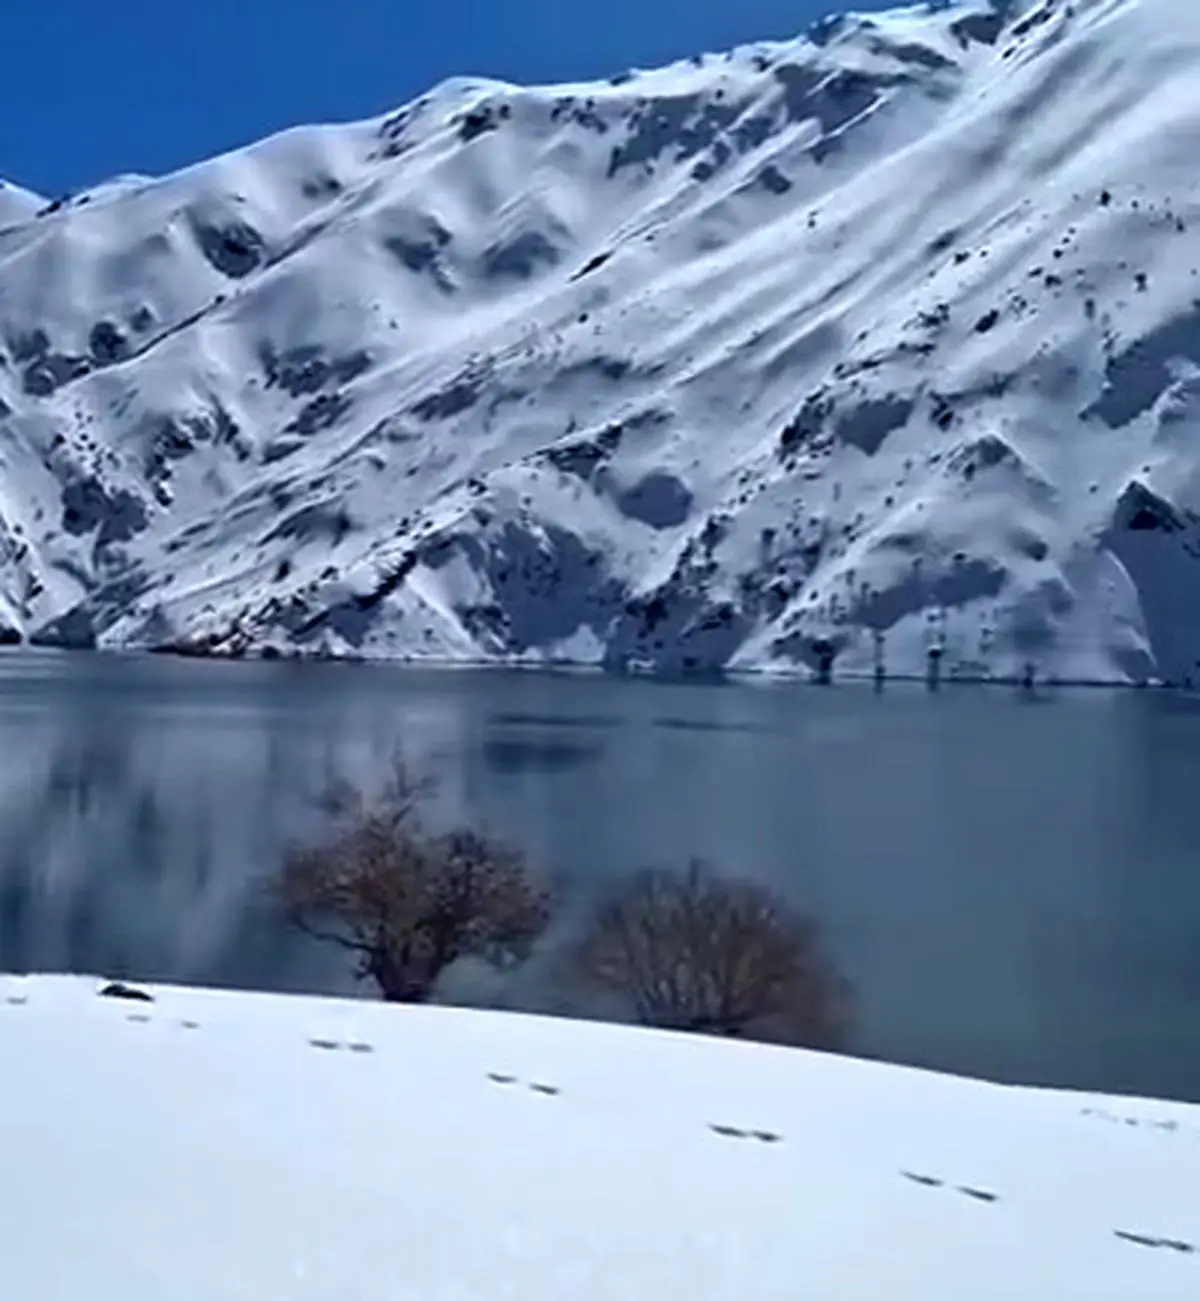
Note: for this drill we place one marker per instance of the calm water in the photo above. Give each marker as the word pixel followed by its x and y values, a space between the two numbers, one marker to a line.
pixel 1013 885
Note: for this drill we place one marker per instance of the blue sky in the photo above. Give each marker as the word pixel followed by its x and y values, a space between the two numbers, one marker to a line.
pixel 91 89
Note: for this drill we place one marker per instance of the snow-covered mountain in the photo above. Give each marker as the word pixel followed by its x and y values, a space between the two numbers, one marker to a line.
pixel 882 339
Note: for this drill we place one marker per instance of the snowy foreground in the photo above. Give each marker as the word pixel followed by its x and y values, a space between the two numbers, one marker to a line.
pixel 215 1146
pixel 881 338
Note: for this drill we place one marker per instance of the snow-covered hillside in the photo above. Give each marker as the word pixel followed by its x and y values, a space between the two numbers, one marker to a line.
pixel 882 339
pixel 208 1146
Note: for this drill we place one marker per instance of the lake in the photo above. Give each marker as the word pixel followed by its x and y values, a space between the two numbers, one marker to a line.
pixel 1011 882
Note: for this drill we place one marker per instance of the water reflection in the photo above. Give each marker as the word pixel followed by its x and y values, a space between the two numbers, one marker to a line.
pixel 1012 891
pixel 512 754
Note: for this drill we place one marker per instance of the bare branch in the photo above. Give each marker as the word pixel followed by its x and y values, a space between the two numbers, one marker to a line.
pixel 700 952
pixel 408 902
pixel 328 937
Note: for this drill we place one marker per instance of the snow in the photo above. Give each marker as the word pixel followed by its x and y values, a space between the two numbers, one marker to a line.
pixel 212 1145
pixel 16 204
pixel 857 344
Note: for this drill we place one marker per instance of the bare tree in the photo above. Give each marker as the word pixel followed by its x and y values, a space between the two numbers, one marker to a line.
pixel 406 901
pixel 697 951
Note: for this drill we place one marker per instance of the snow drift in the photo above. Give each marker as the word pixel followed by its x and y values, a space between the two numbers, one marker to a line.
pixel 877 341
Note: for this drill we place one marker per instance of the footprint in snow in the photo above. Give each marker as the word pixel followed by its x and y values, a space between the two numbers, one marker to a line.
pixel 17 1000
pixel 140 1018
pixel 732 1131
pixel 1167 1244
pixel 547 1090
pixel 1166 1126
pixel 190 1025
pixel 329 1045
pixel 928 1181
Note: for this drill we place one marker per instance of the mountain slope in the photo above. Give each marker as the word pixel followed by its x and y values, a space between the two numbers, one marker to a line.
pixel 881 340
pixel 212 1146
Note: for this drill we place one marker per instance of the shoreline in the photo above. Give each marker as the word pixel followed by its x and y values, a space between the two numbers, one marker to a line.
pixel 712 677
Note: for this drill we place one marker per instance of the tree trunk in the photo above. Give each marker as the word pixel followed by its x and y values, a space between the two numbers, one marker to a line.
pixel 398 983
pixel 403 993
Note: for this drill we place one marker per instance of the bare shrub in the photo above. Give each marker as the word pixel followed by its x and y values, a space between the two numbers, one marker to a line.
pixel 407 901
pixel 697 951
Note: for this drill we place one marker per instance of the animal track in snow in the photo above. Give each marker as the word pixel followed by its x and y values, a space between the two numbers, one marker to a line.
pixel 931 1181
pixel 547 1090
pixel 731 1131
pixel 1177 1245
pixel 926 1181
pixel 334 1045
pixel 1133 1122
pixel 1167 1244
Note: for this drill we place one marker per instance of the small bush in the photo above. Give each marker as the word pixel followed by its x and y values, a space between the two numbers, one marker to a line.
pixel 697 951
pixel 407 901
